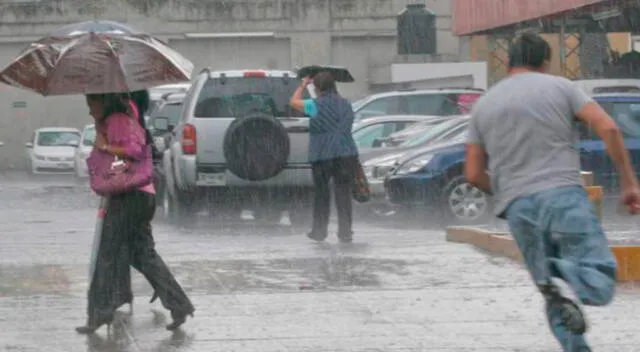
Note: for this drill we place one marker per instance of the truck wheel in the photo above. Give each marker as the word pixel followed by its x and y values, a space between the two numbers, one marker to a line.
pixel 256 147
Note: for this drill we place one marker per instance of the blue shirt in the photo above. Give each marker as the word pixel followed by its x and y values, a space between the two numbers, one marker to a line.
pixel 310 108
pixel 330 124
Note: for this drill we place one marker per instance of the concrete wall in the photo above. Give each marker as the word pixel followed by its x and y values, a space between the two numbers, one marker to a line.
pixel 359 34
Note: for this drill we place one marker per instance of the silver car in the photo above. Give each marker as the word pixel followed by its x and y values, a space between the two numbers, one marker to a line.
pixel 239 145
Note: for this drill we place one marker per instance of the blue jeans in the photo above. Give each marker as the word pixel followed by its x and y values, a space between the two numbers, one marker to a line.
pixel 559 235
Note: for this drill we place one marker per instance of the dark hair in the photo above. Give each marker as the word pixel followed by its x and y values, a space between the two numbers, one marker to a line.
pixel 324 83
pixel 529 50
pixel 112 102
pixel 118 103
pixel 142 100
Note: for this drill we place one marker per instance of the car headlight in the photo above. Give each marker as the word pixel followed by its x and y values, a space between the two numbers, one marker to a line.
pixel 378 172
pixel 414 165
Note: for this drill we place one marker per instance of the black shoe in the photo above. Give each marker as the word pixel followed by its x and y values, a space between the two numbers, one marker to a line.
pixel 316 236
pixel 345 237
pixel 179 318
pixel 561 296
pixel 91 328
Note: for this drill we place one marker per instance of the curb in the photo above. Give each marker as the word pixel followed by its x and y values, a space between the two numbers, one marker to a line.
pixel 501 243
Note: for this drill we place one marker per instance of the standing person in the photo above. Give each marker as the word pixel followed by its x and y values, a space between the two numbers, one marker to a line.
pixel 523 131
pixel 126 235
pixel 332 154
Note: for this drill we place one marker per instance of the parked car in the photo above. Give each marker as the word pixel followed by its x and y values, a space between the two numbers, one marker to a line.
pixel 370 133
pixel 440 102
pixel 239 145
pixel 379 168
pixel 162 121
pixel 435 178
pixel 624 108
pixel 85 146
pixel 437 133
pixel 616 85
pixel 51 150
pixel 397 138
pixel 165 117
pixel 156 94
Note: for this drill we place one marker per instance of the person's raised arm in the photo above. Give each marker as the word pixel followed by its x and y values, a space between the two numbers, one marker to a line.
pixel 307 106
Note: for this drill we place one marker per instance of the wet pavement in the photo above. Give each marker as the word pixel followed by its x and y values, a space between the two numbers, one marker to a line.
pixel 259 287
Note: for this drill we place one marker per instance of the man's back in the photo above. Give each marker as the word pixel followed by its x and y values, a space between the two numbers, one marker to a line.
pixel 525 124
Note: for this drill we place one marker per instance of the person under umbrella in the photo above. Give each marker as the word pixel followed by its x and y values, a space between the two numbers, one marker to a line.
pixel 126 232
pixel 332 153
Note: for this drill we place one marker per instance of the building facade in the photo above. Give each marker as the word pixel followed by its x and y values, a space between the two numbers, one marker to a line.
pixel 221 34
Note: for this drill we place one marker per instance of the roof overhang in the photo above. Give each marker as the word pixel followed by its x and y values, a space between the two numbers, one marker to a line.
pixel 474 17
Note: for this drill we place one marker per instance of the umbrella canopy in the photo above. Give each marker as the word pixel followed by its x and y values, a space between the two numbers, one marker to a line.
pixel 85 62
pixel 98 27
pixel 339 73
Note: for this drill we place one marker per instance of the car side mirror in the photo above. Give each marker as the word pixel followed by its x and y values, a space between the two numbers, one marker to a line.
pixel 161 123
pixel 171 128
pixel 28 145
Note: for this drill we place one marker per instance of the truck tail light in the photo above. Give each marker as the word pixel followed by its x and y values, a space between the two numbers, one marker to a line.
pixel 189 141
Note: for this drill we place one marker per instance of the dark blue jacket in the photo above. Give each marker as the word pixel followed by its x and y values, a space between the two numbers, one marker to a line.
pixel 330 127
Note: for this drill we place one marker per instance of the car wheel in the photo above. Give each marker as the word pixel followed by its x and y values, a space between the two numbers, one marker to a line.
pixel 465 204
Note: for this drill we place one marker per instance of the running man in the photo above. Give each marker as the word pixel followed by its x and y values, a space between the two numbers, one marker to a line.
pixel 522 149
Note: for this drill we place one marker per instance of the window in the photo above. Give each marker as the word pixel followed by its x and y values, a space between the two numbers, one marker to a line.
pixel 89 137
pixel 366 137
pixel 441 104
pixel 237 96
pixel 625 113
pixel 379 107
pixel 431 133
pixel 171 111
pixel 56 138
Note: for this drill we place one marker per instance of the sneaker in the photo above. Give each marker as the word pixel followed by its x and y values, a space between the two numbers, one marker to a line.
pixel 562 296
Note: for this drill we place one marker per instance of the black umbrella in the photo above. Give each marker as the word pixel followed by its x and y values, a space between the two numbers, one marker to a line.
pixel 339 73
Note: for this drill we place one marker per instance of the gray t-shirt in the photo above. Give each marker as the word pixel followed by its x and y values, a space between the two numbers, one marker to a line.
pixel 526 125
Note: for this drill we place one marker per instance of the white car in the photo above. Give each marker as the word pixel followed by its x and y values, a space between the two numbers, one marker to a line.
pixel 52 150
pixel 84 148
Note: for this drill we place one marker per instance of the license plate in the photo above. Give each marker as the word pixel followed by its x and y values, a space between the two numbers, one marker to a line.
pixel 63 166
pixel 218 179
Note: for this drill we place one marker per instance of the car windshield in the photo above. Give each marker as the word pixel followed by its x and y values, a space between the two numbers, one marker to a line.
pixel 89 137
pixel 171 111
pixel 431 133
pixel 234 97
pixel 57 138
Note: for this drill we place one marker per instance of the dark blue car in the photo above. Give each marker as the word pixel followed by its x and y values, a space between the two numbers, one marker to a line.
pixel 435 178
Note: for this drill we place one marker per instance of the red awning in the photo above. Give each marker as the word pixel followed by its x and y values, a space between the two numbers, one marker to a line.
pixel 472 16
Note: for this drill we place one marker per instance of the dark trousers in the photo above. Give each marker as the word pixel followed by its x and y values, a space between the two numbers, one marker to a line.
pixel 127 240
pixel 342 171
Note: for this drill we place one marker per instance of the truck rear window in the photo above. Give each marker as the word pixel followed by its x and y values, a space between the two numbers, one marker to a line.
pixel 238 96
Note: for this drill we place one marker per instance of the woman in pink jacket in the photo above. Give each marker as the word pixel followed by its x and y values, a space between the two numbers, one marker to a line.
pixel 126 235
